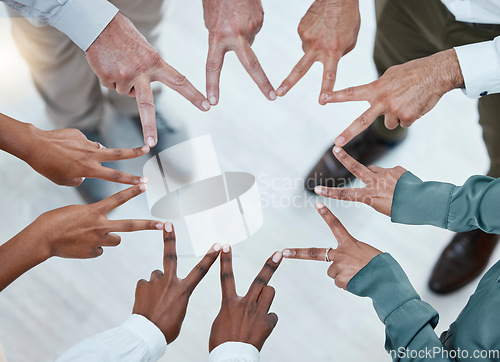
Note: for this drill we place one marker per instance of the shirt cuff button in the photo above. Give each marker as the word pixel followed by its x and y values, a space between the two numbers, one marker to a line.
pixel 482 94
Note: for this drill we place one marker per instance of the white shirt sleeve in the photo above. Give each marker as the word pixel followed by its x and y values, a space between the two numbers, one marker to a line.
pixel 234 352
pixel 81 20
pixel 137 339
pixel 480 65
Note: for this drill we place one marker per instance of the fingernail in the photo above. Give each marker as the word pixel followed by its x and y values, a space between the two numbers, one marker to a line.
pixel 206 105
pixel 143 180
pixel 159 226
pixel 287 253
pixel 336 149
pixel 281 91
pixel 272 95
pixel 319 190
pixel 225 248
pixel 168 226
pixel 340 141
pixel 151 142
pixel 319 205
pixel 213 100
pixel 143 187
pixel 277 257
pixel 216 247
pixel 324 97
pixel 145 148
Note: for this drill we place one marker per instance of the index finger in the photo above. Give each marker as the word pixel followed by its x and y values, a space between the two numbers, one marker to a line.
pixel 265 275
pixel 339 231
pixel 112 202
pixel 227 282
pixel 201 269
pixel 179 83
pixel 117 154
pixel 317 254
pixel 329 76
pixel 351 94
pixel 359 125
pixel 215 60
pixel 356 168
pixel 147 113
pixel 302 67
pixel 169 250
pixel 250 62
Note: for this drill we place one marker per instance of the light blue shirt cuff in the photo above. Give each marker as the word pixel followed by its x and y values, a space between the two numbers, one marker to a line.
pixel 234 352
pixel 84 20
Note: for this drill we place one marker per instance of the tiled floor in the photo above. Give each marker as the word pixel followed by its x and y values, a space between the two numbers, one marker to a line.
pixel 63 301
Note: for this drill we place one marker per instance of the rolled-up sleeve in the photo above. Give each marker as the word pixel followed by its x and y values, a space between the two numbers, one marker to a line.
pixel 137 339
pixel 81 20
pixel 480 66
pixel 475 205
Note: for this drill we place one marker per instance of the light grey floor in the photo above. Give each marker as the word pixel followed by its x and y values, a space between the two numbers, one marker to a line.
pixel 63 301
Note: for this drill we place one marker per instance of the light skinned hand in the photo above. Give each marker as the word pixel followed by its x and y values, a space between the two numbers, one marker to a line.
pixel 164 299
pixel 66 157
pixel 80 231
pixel 232 26
pixel 380 184
pixel 403 94
pixel 329 30
pixel 348 258
pixel 245 319
pixel 123 60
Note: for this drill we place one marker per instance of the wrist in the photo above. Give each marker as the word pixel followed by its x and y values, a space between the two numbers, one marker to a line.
pixel 17 138
pixel 448 69
pixel 37 241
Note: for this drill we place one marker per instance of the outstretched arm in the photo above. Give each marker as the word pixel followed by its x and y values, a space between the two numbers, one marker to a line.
pixel 367 272
pixel 403 94
pixel 64 156
pixel 401 195
pixel 77 231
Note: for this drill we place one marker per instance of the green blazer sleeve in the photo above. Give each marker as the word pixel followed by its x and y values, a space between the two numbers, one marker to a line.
pixel 475 205
pixel 409 321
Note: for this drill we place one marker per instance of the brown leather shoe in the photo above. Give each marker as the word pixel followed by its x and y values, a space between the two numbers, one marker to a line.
pixel 366 148
pixel 462 260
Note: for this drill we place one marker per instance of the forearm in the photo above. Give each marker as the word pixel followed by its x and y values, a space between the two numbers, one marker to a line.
pixel 458 208
pixel 18 255
pixel 408 320
pixel 16 137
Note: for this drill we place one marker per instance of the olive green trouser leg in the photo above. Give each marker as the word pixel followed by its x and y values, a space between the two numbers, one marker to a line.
pixel 411 29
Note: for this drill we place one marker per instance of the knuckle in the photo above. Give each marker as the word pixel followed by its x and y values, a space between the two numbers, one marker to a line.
pixel 350 91
pixel 259 281
pixel 179 80
pixel 270 266
pixel 202 269
pixel 314 253
pixel 170 257
pixel 117 153
pixel 253 64
pixel 226 276
pixel 214 66
pixel 342 193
